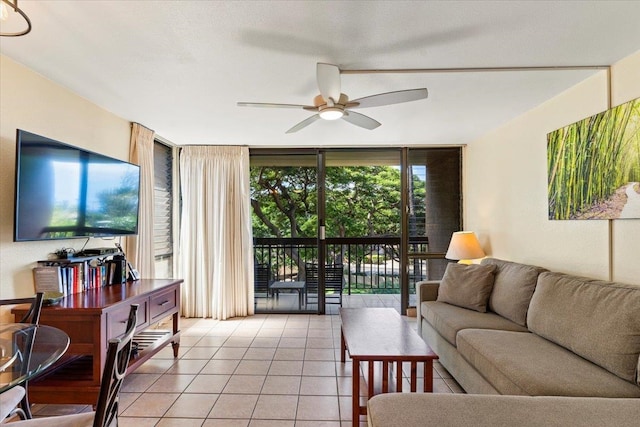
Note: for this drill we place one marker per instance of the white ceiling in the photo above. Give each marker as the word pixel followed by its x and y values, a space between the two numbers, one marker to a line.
pixel 179 67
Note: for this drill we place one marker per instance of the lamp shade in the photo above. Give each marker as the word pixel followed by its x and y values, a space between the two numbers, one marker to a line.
pixel 464 245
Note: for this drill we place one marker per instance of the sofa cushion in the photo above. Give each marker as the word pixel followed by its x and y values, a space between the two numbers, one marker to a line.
pixel 448 319
pixel 455 410
pixel 512 288
pixel 597 320
pixel 467 286
pixel 522 363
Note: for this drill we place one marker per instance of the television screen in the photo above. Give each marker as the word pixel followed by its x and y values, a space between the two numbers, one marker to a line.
pixel 64 192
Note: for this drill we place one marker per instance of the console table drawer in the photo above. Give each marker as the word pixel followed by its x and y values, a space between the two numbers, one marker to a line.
pixel 117 318
pixel 163 304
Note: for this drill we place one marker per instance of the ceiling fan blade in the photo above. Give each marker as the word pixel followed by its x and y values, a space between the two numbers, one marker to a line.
pixel 360 120
pixel 390 98
pixel 271 105
pixel 304 123
pixel 328 76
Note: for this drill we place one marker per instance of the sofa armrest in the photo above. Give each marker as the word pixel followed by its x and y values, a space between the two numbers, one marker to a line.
pixel 427 290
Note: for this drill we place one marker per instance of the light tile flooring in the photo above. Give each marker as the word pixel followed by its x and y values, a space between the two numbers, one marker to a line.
pixel 264 370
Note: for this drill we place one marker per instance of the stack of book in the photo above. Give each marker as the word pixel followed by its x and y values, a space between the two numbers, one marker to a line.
pixel 74 277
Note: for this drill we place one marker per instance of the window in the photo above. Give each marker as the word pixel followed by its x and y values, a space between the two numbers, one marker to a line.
pixel 163 209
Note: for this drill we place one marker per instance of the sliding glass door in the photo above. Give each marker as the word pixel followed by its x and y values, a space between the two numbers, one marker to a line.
pixel 284 197
pixel 350 226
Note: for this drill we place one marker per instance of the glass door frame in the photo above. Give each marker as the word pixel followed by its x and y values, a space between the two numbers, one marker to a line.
pixel 321 235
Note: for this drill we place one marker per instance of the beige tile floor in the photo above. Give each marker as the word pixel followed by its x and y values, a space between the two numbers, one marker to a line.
pixel 264 370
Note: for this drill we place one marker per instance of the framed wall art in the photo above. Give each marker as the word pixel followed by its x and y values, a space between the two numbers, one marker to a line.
pixel 593 166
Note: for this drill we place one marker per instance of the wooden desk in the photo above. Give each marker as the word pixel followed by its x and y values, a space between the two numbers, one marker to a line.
pixel 381 335
pixel 93 317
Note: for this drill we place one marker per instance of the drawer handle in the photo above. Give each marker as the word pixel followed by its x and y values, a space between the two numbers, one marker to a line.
pixel 162 304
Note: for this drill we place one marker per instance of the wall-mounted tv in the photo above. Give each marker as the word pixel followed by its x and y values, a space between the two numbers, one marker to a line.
pixel 64 192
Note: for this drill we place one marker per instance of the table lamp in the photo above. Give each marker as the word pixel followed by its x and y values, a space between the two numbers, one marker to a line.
pixel 464 247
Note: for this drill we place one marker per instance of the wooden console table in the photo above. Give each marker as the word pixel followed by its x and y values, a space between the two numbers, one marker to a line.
pixel 381 335
pixel 93 317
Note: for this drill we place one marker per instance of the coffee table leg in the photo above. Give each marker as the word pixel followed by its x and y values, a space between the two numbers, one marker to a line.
pixel 355 393
pixel 385 376
pixel 414 375
pixel 428 376
pixel 343 346
pixel 399 376
pixel 370 392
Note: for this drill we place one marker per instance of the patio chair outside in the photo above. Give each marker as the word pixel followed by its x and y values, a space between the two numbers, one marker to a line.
pixel 262 279
pixel 333 282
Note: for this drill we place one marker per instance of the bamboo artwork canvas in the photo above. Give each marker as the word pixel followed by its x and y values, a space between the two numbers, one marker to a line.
pixel 593 166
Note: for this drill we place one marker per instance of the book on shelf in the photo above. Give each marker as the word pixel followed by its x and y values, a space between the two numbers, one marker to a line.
pixel 73 277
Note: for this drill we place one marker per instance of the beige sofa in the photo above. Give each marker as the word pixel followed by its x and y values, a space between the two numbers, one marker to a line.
pixel 543 334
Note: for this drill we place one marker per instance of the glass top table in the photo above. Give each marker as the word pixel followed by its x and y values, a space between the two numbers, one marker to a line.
pixel 26 351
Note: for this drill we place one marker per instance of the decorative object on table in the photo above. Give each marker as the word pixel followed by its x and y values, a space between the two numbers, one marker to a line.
pixel 133 273
pixel 48 278
pixel 52 297
pixel 464 247
pixel 593 166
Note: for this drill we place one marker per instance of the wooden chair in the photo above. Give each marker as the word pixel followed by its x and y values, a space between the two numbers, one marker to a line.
pixel 15 401
pixel 333 282
pixel 115 368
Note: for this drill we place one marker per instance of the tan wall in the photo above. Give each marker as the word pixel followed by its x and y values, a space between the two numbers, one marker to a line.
pixel 31 102
pixel 506 188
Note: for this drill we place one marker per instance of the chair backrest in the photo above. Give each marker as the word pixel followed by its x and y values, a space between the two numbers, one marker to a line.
pixel 333 277
pixel 262 278
pixel 115 368
pixel 311 277
pixel 33 314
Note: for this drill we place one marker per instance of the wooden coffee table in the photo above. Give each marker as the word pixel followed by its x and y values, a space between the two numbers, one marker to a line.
pixel 381 335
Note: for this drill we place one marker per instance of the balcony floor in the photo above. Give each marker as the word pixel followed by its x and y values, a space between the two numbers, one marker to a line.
pixel 288 302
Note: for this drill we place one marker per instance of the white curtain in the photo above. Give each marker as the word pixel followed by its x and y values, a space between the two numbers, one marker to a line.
pixel 216 245
pixel 139 249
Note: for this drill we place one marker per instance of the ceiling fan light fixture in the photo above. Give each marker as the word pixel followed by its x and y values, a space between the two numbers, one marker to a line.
pixel 331 113
pixel 12 5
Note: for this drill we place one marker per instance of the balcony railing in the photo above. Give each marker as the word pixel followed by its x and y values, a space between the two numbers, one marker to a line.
pixel 371 264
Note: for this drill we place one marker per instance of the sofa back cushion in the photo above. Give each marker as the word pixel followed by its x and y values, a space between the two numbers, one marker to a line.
pixel 597 320
pixel 512 289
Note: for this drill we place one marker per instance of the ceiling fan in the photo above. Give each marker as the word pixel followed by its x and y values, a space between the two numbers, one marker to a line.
pixel 332 104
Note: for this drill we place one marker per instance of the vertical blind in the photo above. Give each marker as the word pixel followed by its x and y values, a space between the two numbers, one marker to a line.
pixel 163 195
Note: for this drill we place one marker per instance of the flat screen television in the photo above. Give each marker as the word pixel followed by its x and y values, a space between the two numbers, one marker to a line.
pixel 64 192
